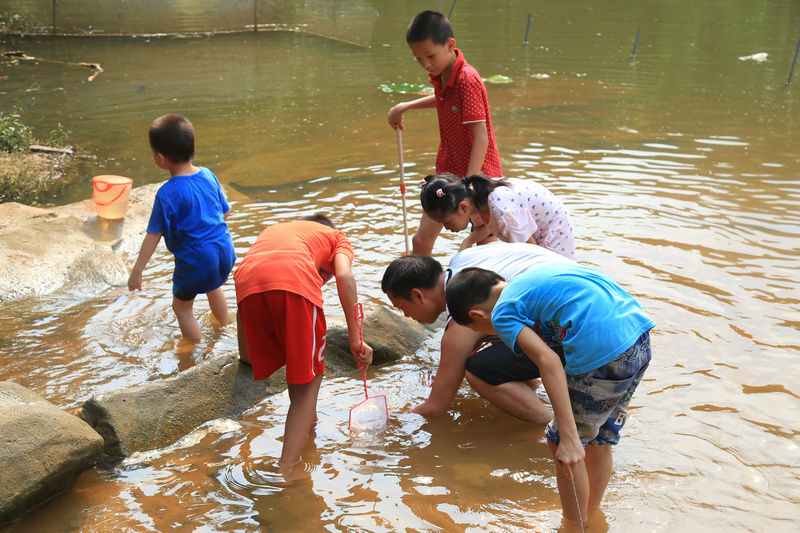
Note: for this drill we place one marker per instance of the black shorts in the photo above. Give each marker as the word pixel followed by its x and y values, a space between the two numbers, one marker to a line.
pixel 497 364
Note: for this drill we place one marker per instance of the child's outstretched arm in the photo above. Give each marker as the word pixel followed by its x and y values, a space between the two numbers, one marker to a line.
pixel 395 116
pixel 458 342
pixel 149 245
pixel 570 450
pixel 480 144
pixel 348 296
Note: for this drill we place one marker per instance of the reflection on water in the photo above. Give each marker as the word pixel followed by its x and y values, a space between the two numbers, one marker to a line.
pixel 680 173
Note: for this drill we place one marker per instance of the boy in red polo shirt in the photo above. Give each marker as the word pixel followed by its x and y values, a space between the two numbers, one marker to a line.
pixel 467 144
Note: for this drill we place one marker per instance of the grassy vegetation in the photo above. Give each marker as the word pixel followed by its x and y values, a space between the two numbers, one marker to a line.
pixel 24 175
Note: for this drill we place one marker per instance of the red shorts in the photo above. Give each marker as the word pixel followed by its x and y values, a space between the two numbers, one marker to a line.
pixel 283 328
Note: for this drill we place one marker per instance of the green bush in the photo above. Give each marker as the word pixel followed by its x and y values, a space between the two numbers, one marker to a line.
pixel 14 135
pixel 59 136
pixel 26 176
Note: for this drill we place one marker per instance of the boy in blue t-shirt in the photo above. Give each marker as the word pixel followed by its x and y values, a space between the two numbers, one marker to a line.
pixel 189 212
pixel 605 337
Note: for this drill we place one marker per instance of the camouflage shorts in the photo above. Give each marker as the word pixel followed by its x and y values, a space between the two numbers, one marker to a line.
pixel 600 397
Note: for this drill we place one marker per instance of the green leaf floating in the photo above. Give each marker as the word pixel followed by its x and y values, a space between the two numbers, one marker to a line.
pixel 499 78
pixel 403 87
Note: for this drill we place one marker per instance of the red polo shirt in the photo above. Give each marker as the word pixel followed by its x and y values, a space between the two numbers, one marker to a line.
pixel 462 102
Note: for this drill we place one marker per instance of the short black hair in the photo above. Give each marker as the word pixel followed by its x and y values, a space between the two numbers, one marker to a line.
pixel 468 288
pixel 410 272
pixel 320 219
pixel 429 25
pixel 172 136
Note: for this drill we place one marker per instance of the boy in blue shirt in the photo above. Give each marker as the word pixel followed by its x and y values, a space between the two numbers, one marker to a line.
pixel 605 336
pixel 189 212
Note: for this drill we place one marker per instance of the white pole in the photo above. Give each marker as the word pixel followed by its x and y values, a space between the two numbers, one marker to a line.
pixel 402 185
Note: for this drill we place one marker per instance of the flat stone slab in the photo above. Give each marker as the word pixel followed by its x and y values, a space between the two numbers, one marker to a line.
pixel 42 248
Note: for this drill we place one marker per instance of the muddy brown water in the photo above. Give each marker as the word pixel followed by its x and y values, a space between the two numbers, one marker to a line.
pixel 680 171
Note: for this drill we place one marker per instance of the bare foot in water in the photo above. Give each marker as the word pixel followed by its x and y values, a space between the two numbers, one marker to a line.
pixel 291 474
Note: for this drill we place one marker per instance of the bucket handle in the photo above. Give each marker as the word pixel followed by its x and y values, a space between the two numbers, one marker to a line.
pixel 109 185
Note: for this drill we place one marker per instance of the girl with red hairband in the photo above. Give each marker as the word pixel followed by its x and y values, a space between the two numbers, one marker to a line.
pixel 513 210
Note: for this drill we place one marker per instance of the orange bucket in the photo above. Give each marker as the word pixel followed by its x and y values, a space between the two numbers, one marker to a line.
pixel 111 194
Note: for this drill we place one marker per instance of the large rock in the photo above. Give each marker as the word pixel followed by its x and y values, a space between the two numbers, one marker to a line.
pixel 158 413
pixel 391 336
pixel 43 248
pixel 42 452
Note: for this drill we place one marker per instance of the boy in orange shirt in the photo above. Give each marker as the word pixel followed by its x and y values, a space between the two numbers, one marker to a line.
pixel 280 315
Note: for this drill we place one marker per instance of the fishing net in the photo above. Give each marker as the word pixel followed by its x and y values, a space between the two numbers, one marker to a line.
pixel 369 416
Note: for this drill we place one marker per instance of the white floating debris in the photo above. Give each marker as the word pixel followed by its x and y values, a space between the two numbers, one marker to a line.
pixel 761 56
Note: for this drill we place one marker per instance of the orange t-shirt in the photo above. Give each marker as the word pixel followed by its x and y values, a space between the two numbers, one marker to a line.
pixel 295 257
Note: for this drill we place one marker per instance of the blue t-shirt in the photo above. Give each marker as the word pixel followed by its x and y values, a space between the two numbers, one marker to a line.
pixel 576 306
pixel 190 212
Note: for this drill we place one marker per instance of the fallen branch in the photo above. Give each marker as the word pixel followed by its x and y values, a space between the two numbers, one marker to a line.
pixel 50 149
pixel 18 54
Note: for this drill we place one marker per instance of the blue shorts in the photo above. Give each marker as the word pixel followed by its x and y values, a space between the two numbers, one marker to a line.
pixel 600 397
pixel 181 294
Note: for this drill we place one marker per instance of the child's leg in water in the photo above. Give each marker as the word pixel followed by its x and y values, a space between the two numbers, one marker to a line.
pixel 299 421
pixel 423 239
pixel 219 306
pixel 188 324
pixel 599 466
pixel 244 353
pixel 567 489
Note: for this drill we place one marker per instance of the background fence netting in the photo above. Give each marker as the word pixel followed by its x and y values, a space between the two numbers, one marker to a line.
pixel 345 20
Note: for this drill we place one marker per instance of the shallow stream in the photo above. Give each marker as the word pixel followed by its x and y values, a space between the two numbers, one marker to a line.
pixel 680 170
